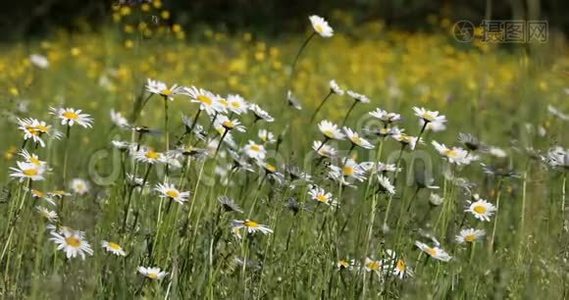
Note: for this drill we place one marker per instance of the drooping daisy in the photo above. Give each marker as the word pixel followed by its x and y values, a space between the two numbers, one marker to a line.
pixel 398 265
pixel 358 97
pixel 113 248
pixel 255 151
pixel 384 167
pixel 557 158
pixel 228 204
pixel 266 136
pixel 118 119
pixel 321 26
pixel 49 215
pixel 470 141
pixel 385 184
pixel 79 186
pixel 153 273
pixel 454 155
pixel 434 252
pixel 28 171
pixel 32 158
pixel 251 226
pixel 207 100
pixel 469 235
pixel 356 139
pixel 330 130
pixel 260 114
pixel 70 116
pixel 324 150
pixel 72 242
pixel 171 192
pixel 435 126
pixel 384 116
pixel 481 209
pixel 293 101
pixel 319 195
pixel 236 104
pixel 160 88
pixel 335 88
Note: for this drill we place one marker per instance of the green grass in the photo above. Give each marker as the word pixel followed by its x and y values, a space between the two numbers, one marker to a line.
pixel 499 96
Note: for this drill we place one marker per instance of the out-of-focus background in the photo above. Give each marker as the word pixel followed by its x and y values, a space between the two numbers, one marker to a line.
pixel 28 18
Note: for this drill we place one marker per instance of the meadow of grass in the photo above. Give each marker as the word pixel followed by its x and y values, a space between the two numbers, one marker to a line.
pixel 255 224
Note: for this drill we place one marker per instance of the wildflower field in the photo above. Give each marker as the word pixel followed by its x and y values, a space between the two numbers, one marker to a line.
pixel 351 162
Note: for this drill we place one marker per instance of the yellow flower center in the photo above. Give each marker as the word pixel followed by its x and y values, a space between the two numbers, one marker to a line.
pixel 152 275
pixel 348 171
pixel 205 100
pixel 450 153
pixel 255 148
pixel 431 251
pixel 172 194
pixel 318 28
pixel 235 104
pixel 270 168
pixel 250 224
pixel 73 241
pixel 329 133
pixel 356 140
pixel 373 265
pixel 228 124
pixel 223 102
pixel 38 194
pixel 479 209
pixel 30 172
pixel 321 198
pixel 70 115
pixel 114 246
pixel 33 130
pixel 428 116
pixel 35 160
pixel 153 155
pixel 166 92
pixel 470 237
pixel 343 264
pixel 401 265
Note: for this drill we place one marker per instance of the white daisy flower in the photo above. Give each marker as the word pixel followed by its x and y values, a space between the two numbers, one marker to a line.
pixel 469 235
pixel 323 149
pixel 500 153
pixel 398 266
pixel 429 116
pixel 39 61
pixel 255 151
pixel 384 116
pixel 35 129
pixel 70 116
pixel 79 186
pixel 356 139
pixel 171 192
pixel 436 199
pixel 321 26
pixel 260 114
pixel 434 126
pixel 251 226
pixel 319 195
pixel 72 242
pixel 350 170
pixel 28 171
pixel 32 158
pixel 330 130
pixel 335 88
pixel 266 136
pixel 152 273
pixel 481 209
pixel 434 252
pixel 454 155
pixel 160 88
pixel 358 97
pixel 207 100
pixel 557 157
pixel 113 248
pixel 371 265
pixel 118 119
pixel 147 155
pixel 236 104
pixel 404 139
pixel 345 264
pixel 49 215
pixel 228 124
